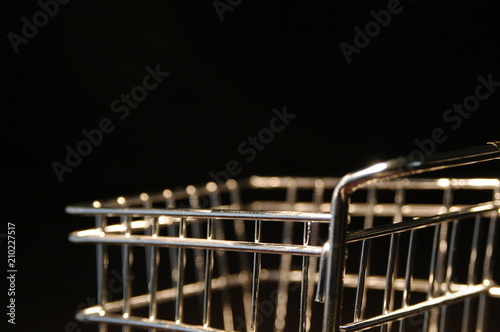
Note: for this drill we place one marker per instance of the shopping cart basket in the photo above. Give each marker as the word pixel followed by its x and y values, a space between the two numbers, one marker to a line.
pixel 389 253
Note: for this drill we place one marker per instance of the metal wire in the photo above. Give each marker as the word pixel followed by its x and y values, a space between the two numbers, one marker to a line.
pixel 102 268
pixel 256 279
pixel 181 264
pixel 238 278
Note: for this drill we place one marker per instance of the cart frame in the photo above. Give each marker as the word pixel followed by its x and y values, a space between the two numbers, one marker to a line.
pixel 138 213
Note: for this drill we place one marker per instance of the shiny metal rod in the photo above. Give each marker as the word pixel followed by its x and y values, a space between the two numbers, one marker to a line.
pixel 418 223
pixel 152 267
pixel 285 261
pixel 410 260
pixel 126 273
pixel 489 255
pixel 361 289
pixel 209 266
pixel 204 213
pixel 256 279
pixel 227 311
pixel 181 264
pixel 471 273
pixel 389 277
pixel 450 269
pixel 415 309
pixel 181 242
pixel 304 287
pixel 102 269
pixel 396 168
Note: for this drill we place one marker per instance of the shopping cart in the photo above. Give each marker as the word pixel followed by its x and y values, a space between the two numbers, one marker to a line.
pixel 389 253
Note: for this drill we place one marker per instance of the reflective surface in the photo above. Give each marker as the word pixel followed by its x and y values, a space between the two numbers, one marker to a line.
pixel 218 247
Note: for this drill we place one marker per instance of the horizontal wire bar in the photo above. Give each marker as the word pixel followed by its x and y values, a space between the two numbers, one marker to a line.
pixel 88 315
pixel 362 209
pixel 202 213
pixel 417 223
pixel 259 182
pixel 415 309
pixel 88 236
pixel 94 236
pixel 355 209
pixel 243 278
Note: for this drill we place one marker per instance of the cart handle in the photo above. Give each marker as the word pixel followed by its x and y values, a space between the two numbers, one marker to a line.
pixel 391 169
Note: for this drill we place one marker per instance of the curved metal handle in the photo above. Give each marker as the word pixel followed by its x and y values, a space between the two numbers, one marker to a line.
pixel 391 169
pixel 403 167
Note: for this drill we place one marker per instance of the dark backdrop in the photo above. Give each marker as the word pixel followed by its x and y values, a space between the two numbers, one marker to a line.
pixel 225 79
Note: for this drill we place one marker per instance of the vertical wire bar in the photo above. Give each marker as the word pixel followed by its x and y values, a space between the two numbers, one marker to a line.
pixel 389 278
pixel 449 271
pixel 151 258
pixel 239 230
pixel 207 292
pixel 443 241
pixel 436 274
pixel 256 278
pixel 389 293
pixel 194 202
pixel 126 272
pixel 196 230
pixel 171 231
pixel 371 200
pixel 319 191
pixel 408 275
pixel 487 267
pixel 429 320
pixel 451 256
pixel 153 275
pixel 181 264
pixel 305 280
pixel 399 199
pixel 335 260
pixel 490 242
pixel 147 204
pixel 284 282
pixel 313 263
pixel 227 311
pixel 286 262
pixel 234 193
pixel 102 268
pixel 471 273
pixel 443 246
pixel 482 313
pixel 360 291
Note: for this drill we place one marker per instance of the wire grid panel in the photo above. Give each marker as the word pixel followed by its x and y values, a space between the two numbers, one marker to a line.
pixel 427 274
pixel 215 265
pixel 211 258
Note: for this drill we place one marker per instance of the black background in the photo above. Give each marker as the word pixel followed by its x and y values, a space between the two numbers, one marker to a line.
pixel 225 78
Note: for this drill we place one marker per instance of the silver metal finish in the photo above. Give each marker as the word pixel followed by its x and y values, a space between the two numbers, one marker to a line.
pixel 256 278
pixel 285 261
pixel 238 264
pixel 102 268
pixel 127 260
pixel 152 266
pixel 214 195
pixel 181 263
pixel 304 290
pixel 410 263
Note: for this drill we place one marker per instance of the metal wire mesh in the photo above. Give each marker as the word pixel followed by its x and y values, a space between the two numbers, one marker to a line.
pixel 254 255
pixel 384 283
